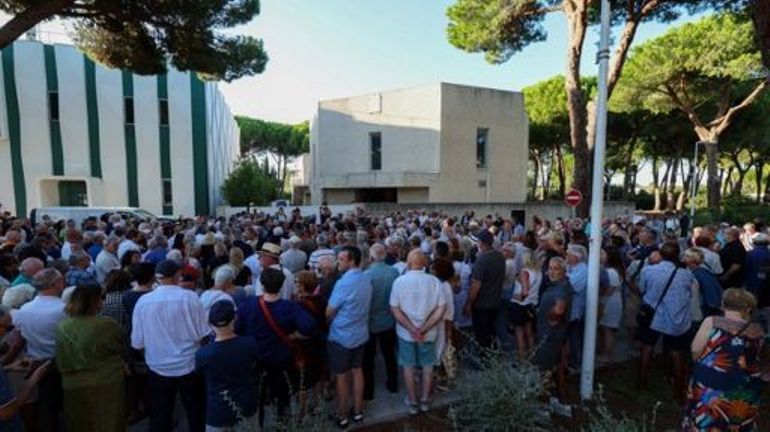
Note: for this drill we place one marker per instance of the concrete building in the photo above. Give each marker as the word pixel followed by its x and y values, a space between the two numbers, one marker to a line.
pixel 76 133
pixel 441 143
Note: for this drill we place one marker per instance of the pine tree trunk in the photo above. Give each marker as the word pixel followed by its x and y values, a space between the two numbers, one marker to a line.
pixel 712 170
pixel 656 183
pixel 672 184
pixel 561 171
pixel 759 167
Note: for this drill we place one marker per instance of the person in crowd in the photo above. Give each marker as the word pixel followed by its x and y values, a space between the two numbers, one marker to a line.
pixel 314 369
pixel 524 301
pixel 323 250
pixel 757 269
pixel 553 317
pixel 130 257
pixel 294 259
pixel 78 274
pixel 89 351
pixel 483 302
pixel 73 241
pixel 107 260
pixel 169 324
pixel 348 315
pixel 143 277
pixel 611 301
pixel 27 270
pixel 381 323
pixel 223 288
pixel 271 321
pixel 242 272
pixel 577 272
pixel 709 289
pixel 269 257
pixel 158 248
pixel 231 400
pixel 711 260
pixel 328 274
pixel 127 241
pixel 727 380
pixel 443 269
pixel 118 283
pixel 418 305
pixel 733 259
pixel 666 289
pixel 462 323
pixel 18 295
pixel 9 269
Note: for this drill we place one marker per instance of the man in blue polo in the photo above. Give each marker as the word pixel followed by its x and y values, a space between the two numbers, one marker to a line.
pixel 348 314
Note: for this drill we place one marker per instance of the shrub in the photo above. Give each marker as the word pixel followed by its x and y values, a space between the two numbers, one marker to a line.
pixel 601 419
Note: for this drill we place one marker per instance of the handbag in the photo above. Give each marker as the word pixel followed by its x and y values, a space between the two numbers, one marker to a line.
pixel 646 312
pixel 299 359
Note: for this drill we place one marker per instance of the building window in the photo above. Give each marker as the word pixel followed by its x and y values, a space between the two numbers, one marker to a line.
pixel 375 143
pixel 128 110
pixel 167 197
pixel 482 135
pixel 53 106
pixel 163 111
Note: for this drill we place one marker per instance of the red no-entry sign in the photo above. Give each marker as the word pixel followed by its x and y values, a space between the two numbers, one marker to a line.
pixel 573 198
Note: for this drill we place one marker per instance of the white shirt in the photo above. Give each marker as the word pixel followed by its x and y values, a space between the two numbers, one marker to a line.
pixel 449 296
pixel 535 278
pixel 316 255
pixel 211 296
pixel 287 289
pixel 400 267
pixel 168 323
pixel 125 246
pixel 38 321
pixel 711 261
pixel 105 263
pixel 66 250
pixel 254 265
pixel 417 294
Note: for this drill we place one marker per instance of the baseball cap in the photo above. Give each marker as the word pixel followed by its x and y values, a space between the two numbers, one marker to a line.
pixel 167 268
pixel 486 237
pixel 221 313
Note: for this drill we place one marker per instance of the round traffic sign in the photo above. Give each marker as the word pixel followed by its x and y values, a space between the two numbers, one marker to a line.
pixel 573 198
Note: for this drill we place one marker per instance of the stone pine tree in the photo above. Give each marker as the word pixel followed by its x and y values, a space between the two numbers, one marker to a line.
pixel 710 70
pixel 501 28
pixel 146 35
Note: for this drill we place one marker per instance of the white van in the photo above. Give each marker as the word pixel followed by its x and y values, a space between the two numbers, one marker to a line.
pixel 79 214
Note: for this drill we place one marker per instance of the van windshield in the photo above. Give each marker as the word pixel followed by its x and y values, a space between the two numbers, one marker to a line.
pixel 144 214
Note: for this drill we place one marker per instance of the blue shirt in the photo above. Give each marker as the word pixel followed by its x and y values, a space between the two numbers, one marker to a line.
pixel 351 299
pixel 155 256
pixel 289 316
pixel 94 251
pixel 78 277
pixel 224 365
pixel 673 316
pixel 578 278
pixel 380 316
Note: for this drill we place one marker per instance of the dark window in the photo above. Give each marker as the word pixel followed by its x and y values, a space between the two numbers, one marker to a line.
pixel 163 111
pixel 53 105
pixel 482 135
pixel 167 197
pixel 128 108
pixel 375 143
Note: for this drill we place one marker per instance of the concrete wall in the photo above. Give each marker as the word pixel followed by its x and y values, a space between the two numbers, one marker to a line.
pixel 464 110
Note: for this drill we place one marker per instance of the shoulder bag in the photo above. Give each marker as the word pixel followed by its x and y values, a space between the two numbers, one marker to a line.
pixel 646 312
pixel 299 360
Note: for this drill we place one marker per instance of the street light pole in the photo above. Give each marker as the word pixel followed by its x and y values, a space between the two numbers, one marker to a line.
pixel 694 189
pixel 597 208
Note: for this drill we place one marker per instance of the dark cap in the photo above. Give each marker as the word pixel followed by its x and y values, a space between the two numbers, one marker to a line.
pixel 221 313
pixel 486 237
pixel 167 268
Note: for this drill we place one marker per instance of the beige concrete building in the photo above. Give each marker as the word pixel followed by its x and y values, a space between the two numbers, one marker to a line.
pixel 441 143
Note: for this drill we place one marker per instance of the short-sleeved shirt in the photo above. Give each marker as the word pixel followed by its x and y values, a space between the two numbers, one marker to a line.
pixel 417 294
pixel 578 278
pixel 38 321
pixel 558 291
pixel 351 299
pixel 733 253
pixel 673 317
pixel 489 269
pixel 224 365
pixel 380 316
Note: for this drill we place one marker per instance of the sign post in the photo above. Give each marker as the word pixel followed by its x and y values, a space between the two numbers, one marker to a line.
pixel 573 199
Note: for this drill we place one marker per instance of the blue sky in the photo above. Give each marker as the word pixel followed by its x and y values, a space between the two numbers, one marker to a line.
pixel 322 49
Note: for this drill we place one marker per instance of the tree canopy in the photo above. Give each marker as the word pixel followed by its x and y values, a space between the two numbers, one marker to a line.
pixel 145 36
pixel 250 184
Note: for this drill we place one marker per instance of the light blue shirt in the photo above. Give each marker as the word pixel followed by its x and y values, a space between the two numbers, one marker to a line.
pixel 380 316
pixel 673 316
pixel 578 278
pixel 351 299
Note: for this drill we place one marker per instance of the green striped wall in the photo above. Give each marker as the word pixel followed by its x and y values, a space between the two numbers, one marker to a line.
pixel 92 108
pixel 14 130
pixel 52 84
pixel 200 158
pixel 130 137
pixel 165 141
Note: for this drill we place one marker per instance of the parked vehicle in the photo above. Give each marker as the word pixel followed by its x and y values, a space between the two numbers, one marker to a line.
pixel 79 214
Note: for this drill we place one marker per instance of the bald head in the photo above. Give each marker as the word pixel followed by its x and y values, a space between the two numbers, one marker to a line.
pixel 31 266
pixel 416 260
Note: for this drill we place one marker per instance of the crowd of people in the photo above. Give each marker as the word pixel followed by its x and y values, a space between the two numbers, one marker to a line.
pixel 106 322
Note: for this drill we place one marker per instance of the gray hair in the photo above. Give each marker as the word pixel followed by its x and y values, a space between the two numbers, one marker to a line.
pixel 322 240
pixel 561 262
pixel 30 264
pixel 377 252
pixel 17 295
pixel 224 274
pixel 77 257
pixel 694 254
pixel 174 255
pixel 44 279
pixel 577 251
pixel 112 239
pixel 327 259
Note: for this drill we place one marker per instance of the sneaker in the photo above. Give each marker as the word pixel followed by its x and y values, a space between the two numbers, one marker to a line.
pixel 559 408
pixel 358 417
pixel 424 406
pixel 413 407
pixel 343 423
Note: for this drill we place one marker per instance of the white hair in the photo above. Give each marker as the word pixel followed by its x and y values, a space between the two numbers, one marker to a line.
pixel 224 274
pixel 175 255
pixel 17 295
pixel 577 251
pixel 377 252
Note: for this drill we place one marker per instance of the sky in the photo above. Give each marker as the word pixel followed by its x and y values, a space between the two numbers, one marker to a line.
pixel 336 48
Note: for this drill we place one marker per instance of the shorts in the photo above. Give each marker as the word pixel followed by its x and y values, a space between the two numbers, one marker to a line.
pixel 342 360
pixel 411 354
pixel 521 314
pixel 650 337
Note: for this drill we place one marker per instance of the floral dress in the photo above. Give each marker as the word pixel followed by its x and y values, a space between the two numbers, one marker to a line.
pixel 725 389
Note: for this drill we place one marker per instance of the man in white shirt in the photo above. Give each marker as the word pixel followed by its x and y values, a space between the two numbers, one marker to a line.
pixel 169 324
pixel 269 257
pixel 222 289
pixel 107 261
pixel 418 306
pixel 323 250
